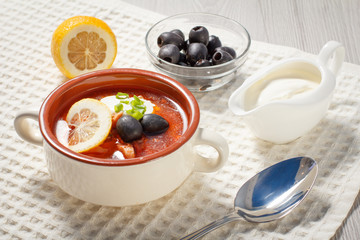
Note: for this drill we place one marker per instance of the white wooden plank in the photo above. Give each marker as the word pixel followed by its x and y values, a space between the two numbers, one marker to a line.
pixel 306 25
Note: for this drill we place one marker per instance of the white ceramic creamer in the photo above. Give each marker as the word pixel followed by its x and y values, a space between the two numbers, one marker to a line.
pixel 287 99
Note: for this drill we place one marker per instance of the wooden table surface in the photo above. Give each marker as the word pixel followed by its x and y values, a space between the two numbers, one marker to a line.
pixel 303 24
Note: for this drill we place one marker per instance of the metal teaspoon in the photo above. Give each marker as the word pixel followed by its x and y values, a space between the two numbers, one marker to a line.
pixel 270 194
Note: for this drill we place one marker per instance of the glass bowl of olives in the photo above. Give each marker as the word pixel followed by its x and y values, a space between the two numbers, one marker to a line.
pixel 200 50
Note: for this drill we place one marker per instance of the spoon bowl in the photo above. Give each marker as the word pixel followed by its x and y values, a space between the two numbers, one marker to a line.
pixel 270 194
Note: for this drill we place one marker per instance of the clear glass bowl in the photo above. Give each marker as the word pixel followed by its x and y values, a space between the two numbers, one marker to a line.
pixel 199 79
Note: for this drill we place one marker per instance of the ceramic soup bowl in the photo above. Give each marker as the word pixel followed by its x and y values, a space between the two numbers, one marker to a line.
pixel 122 182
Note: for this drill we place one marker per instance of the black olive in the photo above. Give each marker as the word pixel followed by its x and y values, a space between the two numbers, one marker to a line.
pixel 169 53
pixel 182 60
pixel 202 63
pixel 214 42
pixel 183 64
pixel 170 38
pixel 227 49
pixel 221 56
pixel 199 34
pixel 179 32
pixel 129 128
pixel 182 57
pixel 195 52
pixel 186 45
pixel 154 124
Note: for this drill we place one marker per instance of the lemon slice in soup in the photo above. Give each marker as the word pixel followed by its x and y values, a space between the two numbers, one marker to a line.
pixel 90 124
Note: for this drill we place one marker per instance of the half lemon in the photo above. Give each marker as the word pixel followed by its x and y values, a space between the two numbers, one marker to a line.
pixel 82 44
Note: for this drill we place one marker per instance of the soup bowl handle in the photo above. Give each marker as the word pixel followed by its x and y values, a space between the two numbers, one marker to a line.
pixel 206 137
pixel 27 131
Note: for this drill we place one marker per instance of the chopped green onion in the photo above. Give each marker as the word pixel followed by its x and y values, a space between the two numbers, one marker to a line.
pixel 138 108
pixel 138 99
pixel 121 95
pixel 135 114
pixel 118 107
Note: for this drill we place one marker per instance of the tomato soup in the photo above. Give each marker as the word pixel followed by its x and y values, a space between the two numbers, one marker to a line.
pixel 114 147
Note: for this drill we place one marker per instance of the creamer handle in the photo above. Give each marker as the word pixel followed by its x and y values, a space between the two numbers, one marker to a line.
pixel 25 130
pixel 210 138
pixel 335 52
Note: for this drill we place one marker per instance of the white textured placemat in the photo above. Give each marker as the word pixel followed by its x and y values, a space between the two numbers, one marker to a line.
pixel 33 207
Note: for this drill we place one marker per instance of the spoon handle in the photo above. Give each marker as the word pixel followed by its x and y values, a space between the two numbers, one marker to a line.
pixel 212 226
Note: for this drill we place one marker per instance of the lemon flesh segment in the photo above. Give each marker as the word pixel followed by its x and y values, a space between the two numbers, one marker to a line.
pixel 87 50
pixel 90 124
pixel 82 44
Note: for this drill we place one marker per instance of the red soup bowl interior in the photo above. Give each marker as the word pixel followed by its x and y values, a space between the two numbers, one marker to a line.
pixel 112 79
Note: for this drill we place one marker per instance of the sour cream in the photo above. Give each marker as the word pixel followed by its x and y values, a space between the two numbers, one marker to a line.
pixel 111 101
pixel 283 89
pixel 62 132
